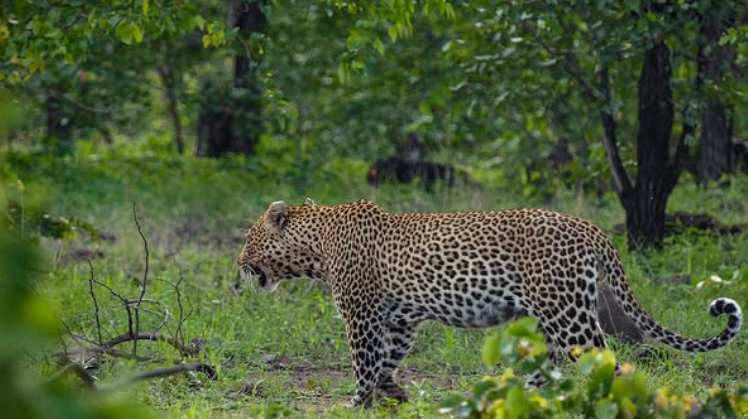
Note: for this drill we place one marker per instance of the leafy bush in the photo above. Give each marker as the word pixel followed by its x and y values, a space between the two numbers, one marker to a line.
pixel 601 394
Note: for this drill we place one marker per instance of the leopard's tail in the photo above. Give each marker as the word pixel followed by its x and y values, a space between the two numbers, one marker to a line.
pixel 614 273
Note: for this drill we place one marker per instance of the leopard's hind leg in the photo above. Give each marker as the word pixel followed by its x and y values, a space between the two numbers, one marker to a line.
pixel 398 342
pixel 567 311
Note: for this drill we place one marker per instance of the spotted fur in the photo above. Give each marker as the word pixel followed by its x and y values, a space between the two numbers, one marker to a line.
pixel 389 272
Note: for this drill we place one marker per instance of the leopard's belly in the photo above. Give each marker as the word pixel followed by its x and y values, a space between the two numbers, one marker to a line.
pixel 463 302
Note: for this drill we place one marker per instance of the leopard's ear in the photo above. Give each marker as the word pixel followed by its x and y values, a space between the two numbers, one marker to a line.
pixel 309 202
pixel 276 217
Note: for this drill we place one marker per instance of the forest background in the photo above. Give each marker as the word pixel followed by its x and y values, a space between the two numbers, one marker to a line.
pixel 189 117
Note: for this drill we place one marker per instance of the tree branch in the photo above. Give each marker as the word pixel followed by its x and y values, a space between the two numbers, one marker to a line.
pixel 94 109
pixel 621 181
pixel 568 64
pixel 601 96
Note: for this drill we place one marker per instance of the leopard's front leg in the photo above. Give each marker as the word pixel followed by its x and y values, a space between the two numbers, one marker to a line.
pixel 365 330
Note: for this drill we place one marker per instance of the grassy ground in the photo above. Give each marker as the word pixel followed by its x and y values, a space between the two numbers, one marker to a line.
pixel 284 353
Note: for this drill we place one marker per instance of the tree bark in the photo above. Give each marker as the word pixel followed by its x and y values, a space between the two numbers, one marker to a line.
pixel 657 172
pixel 621 181
pixel 713 155
pixel 658 169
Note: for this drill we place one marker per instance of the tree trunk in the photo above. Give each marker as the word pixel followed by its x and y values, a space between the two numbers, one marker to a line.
pixel 658 169
pixel 713 156
pixel 235 126
pixel 170 82
pixel 656 174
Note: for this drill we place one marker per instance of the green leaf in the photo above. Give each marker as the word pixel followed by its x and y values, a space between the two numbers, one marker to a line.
pixel 124 33
pixel 199 22
pixel 524 327
pixel 54 34
pixel 516 405
pixel 491 351
pixel 137 33
pixel 379 46
pixel 483 386
pixel 601 380
pixel 606 409
pixel 586 363
pixel 392 32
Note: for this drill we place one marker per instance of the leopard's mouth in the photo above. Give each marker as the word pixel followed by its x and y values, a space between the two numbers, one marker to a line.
pixel 263 279
pixel 251 270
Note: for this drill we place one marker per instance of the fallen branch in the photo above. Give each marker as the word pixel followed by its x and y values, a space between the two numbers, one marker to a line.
pixel 108 347
pixel 90 349
pixel 209 372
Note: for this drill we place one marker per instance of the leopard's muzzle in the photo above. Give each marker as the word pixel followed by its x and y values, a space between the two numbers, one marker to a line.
pixel 250 270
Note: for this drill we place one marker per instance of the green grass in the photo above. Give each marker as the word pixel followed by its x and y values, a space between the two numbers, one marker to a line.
pixel 193 212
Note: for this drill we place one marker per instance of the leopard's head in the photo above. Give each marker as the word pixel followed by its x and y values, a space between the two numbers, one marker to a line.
pixel 282 244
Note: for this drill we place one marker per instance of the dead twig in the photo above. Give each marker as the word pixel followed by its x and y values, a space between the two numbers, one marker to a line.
pixel 90 349
pixel 209 372
pixel 178 334
pixel 125 302
pixel 89 381
pixel 144 285
pixel 95 301
pixel 107 347
pixel 182 317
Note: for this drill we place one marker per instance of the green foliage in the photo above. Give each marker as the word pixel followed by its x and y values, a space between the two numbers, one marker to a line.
pixel 371 20
pixel 93 69
pixel 486 86
pixel 601 394
pixel 38 35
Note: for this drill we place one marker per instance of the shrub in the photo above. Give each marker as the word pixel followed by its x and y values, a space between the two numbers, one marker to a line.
pixel 601 394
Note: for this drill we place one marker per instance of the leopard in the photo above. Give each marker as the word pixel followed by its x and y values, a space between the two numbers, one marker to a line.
pixel 389 272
